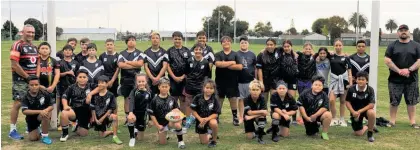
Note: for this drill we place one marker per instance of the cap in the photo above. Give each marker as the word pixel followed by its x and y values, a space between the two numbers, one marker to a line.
pixel 403 26
pixel 280 83
pixel 103 78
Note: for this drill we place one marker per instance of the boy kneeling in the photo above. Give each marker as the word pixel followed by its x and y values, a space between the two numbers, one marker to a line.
pixel 37 105
pixel 255 110
pixel 313 105
pixel 360 101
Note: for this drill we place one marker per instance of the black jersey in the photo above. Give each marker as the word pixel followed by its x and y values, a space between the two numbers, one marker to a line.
pixel 101 104
pixel 208 54
pixel 289 103
pixel 80 58
pixel 65 66
pixel 289 66
pixel 359 63
pixel 155 60
pixel 249 60
pixel 47 71
pixel 313 102
pixel 360 98
pixel 76 96
pixel 197 72
pixel 26 55
pixel 205 108
pixel 128 75
pixel 249 104
pixel 339 64
pixel 269 64
pixel 178 59
pixel 110 63
pixel 224 76
pixel 139 100
pixel 94 70
pixel 159 107
pixel 39 102
pixel 307 66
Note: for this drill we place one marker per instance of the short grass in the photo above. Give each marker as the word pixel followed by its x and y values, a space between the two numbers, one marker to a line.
pixel 231 137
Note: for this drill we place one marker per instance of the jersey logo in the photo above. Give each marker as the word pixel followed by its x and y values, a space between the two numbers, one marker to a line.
pixel 87 91
pixel 185 55
pixel 30 48
pixel 25 50
pixel 366 95
pixel 191 65
pixel 354 95
pixel 96 65
pixel 211 105
pixel 107 102
pixel 287 105
pixel 320 102
pixel 205 51
pixel 202 66
pixel 146 96
pixel 115 59
pixel 135 54
pixel 276 55
pixel 333 57
pixel 160 53
pixel 294 86
pixel 42 100
pixel 367 59
pixel 343 59
pixel 73 66
pixel 105 59
pixel 171 103
pixel 33 59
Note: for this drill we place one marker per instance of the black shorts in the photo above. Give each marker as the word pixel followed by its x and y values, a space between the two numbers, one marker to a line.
pixel 249 125
pixel 229 92
pixel 358 124
pixel 125 90
pixel 270 84
pixel 82 116
pixel 291 83
pixel 312 127
pixel 285 123
pixel 114 88
pixel 141 119
pixel 154 90
pixel 177 88
pixel 162 121
pixel 199 130
pixel 19 89
pixel 32 122
pixel 410 91
pixel 104 124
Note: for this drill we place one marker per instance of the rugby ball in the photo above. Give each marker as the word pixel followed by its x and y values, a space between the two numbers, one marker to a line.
pixel 174 116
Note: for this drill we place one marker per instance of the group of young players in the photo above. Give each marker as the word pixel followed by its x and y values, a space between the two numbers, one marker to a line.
pixel 87 87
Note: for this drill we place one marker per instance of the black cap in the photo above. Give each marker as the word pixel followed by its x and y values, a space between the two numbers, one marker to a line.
pixel 403 26
pixel 103 78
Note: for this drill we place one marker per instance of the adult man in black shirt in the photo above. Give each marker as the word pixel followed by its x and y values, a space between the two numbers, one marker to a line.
pixel 70 41
pixel 403 60
pixel 228 64
pixel 83 55
pixel 360 101
pixel 110 62
pixel 360 60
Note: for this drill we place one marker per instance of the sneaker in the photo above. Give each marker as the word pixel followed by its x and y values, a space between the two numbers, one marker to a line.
pixel 275 138
pixel 74 127
pixel 117 140
pixel 15 135
pixel 371 139
pixel 334 122
pixel 26 130
pixel 294 122
pixel 261 141
pixel 212 144
pixel 342 123
pixel 64 138
pixel 181 145
pixel 46 140
pixel 235 121
pixel 132 142
pixel 325 136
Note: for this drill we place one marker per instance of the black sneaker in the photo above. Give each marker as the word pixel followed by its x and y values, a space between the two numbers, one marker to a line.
pixel 212 144
pixel 275 138
pixel 261 141
pixel 235 121
pixel 370 137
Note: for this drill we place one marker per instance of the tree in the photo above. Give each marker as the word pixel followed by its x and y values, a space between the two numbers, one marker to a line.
pixel 391 25
pixel 58 31
pixel 37 25
pixel 292 31
pixel 367 34
pixel 264 29
pixel 6 30
pixel 319 24
pixel 253 33
pixel 416 35
pixel 305 32
pixel 226 16
pixel 336 26
pixel 241 28
pixel 325 31
pixel 277 33
pixel 363 21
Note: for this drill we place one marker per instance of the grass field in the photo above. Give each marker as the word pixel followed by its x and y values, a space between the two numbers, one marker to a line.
pixel 231 137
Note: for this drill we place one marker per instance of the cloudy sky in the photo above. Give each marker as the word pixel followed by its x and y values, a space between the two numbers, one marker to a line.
pixel 142 15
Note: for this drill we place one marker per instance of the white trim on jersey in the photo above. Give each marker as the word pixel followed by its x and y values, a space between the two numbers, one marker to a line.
pixel 356 65
pixel 158 61
pixel 92 74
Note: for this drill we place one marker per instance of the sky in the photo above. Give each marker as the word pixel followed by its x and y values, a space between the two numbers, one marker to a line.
pixel 142 15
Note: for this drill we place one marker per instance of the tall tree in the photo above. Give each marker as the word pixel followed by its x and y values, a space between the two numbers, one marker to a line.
pixel 367 34
pixel 226 16
pixel 391 25
pixel 241 28
pixel 292 31
pixel 337 25
pixel 264 29
pixel 37 25
pixel 363 21
pixel 58 31
pixel 305 32
pixel 6 30
pixel 277 33
pixel 319 24
pixel 416 35
pixel 325 32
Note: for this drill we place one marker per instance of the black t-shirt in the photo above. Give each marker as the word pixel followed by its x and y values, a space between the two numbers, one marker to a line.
pixel 178 59
pixel 359 64
pixel 306 66
pixel 60 54
pixel 159 107
pixel 339 64
pixel 26 55
pixel 40 102
pixel 197 72
pixel 224 76
pixel 289 66
pixel 360 98
pixel 404 55
pixel 110 63
pixel 76 96
pixel 269 64
pixel 248 61
pixel 249 104
pixel 139 100
pixel 289 103
pixel 47 71
pixel 208 54
pixel 101 104
pixel 312 103
pixel 128 75
pixel 205 108
pixel 155 60
pixel 94 70
pixel 80 58
pixel 65 66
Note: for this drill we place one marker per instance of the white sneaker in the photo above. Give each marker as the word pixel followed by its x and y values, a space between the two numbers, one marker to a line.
pixel 132 142
pixel 342 123
pixel 334 122
pixel 181 145
pixel 63 139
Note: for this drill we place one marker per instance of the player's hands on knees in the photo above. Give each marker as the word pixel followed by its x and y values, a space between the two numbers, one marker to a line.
pixel 50 89
pixel 131 116
pixel 203 122
pixel 160 127
pixel 286 117
pixel 44 113
pixel 356 114
pixel 313 118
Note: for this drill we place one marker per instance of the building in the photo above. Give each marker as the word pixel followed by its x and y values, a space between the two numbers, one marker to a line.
pixel 99 34
pixel 167 35
pixel 351 36
pixel 315 36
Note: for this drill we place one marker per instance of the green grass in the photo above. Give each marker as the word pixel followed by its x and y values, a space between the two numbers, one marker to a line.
pixel 401 137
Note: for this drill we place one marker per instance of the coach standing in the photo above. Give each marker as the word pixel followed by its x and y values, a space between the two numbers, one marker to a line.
pixel 403 59
pixel 23 56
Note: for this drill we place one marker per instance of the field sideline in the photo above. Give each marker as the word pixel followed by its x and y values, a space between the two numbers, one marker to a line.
pixel 231 137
